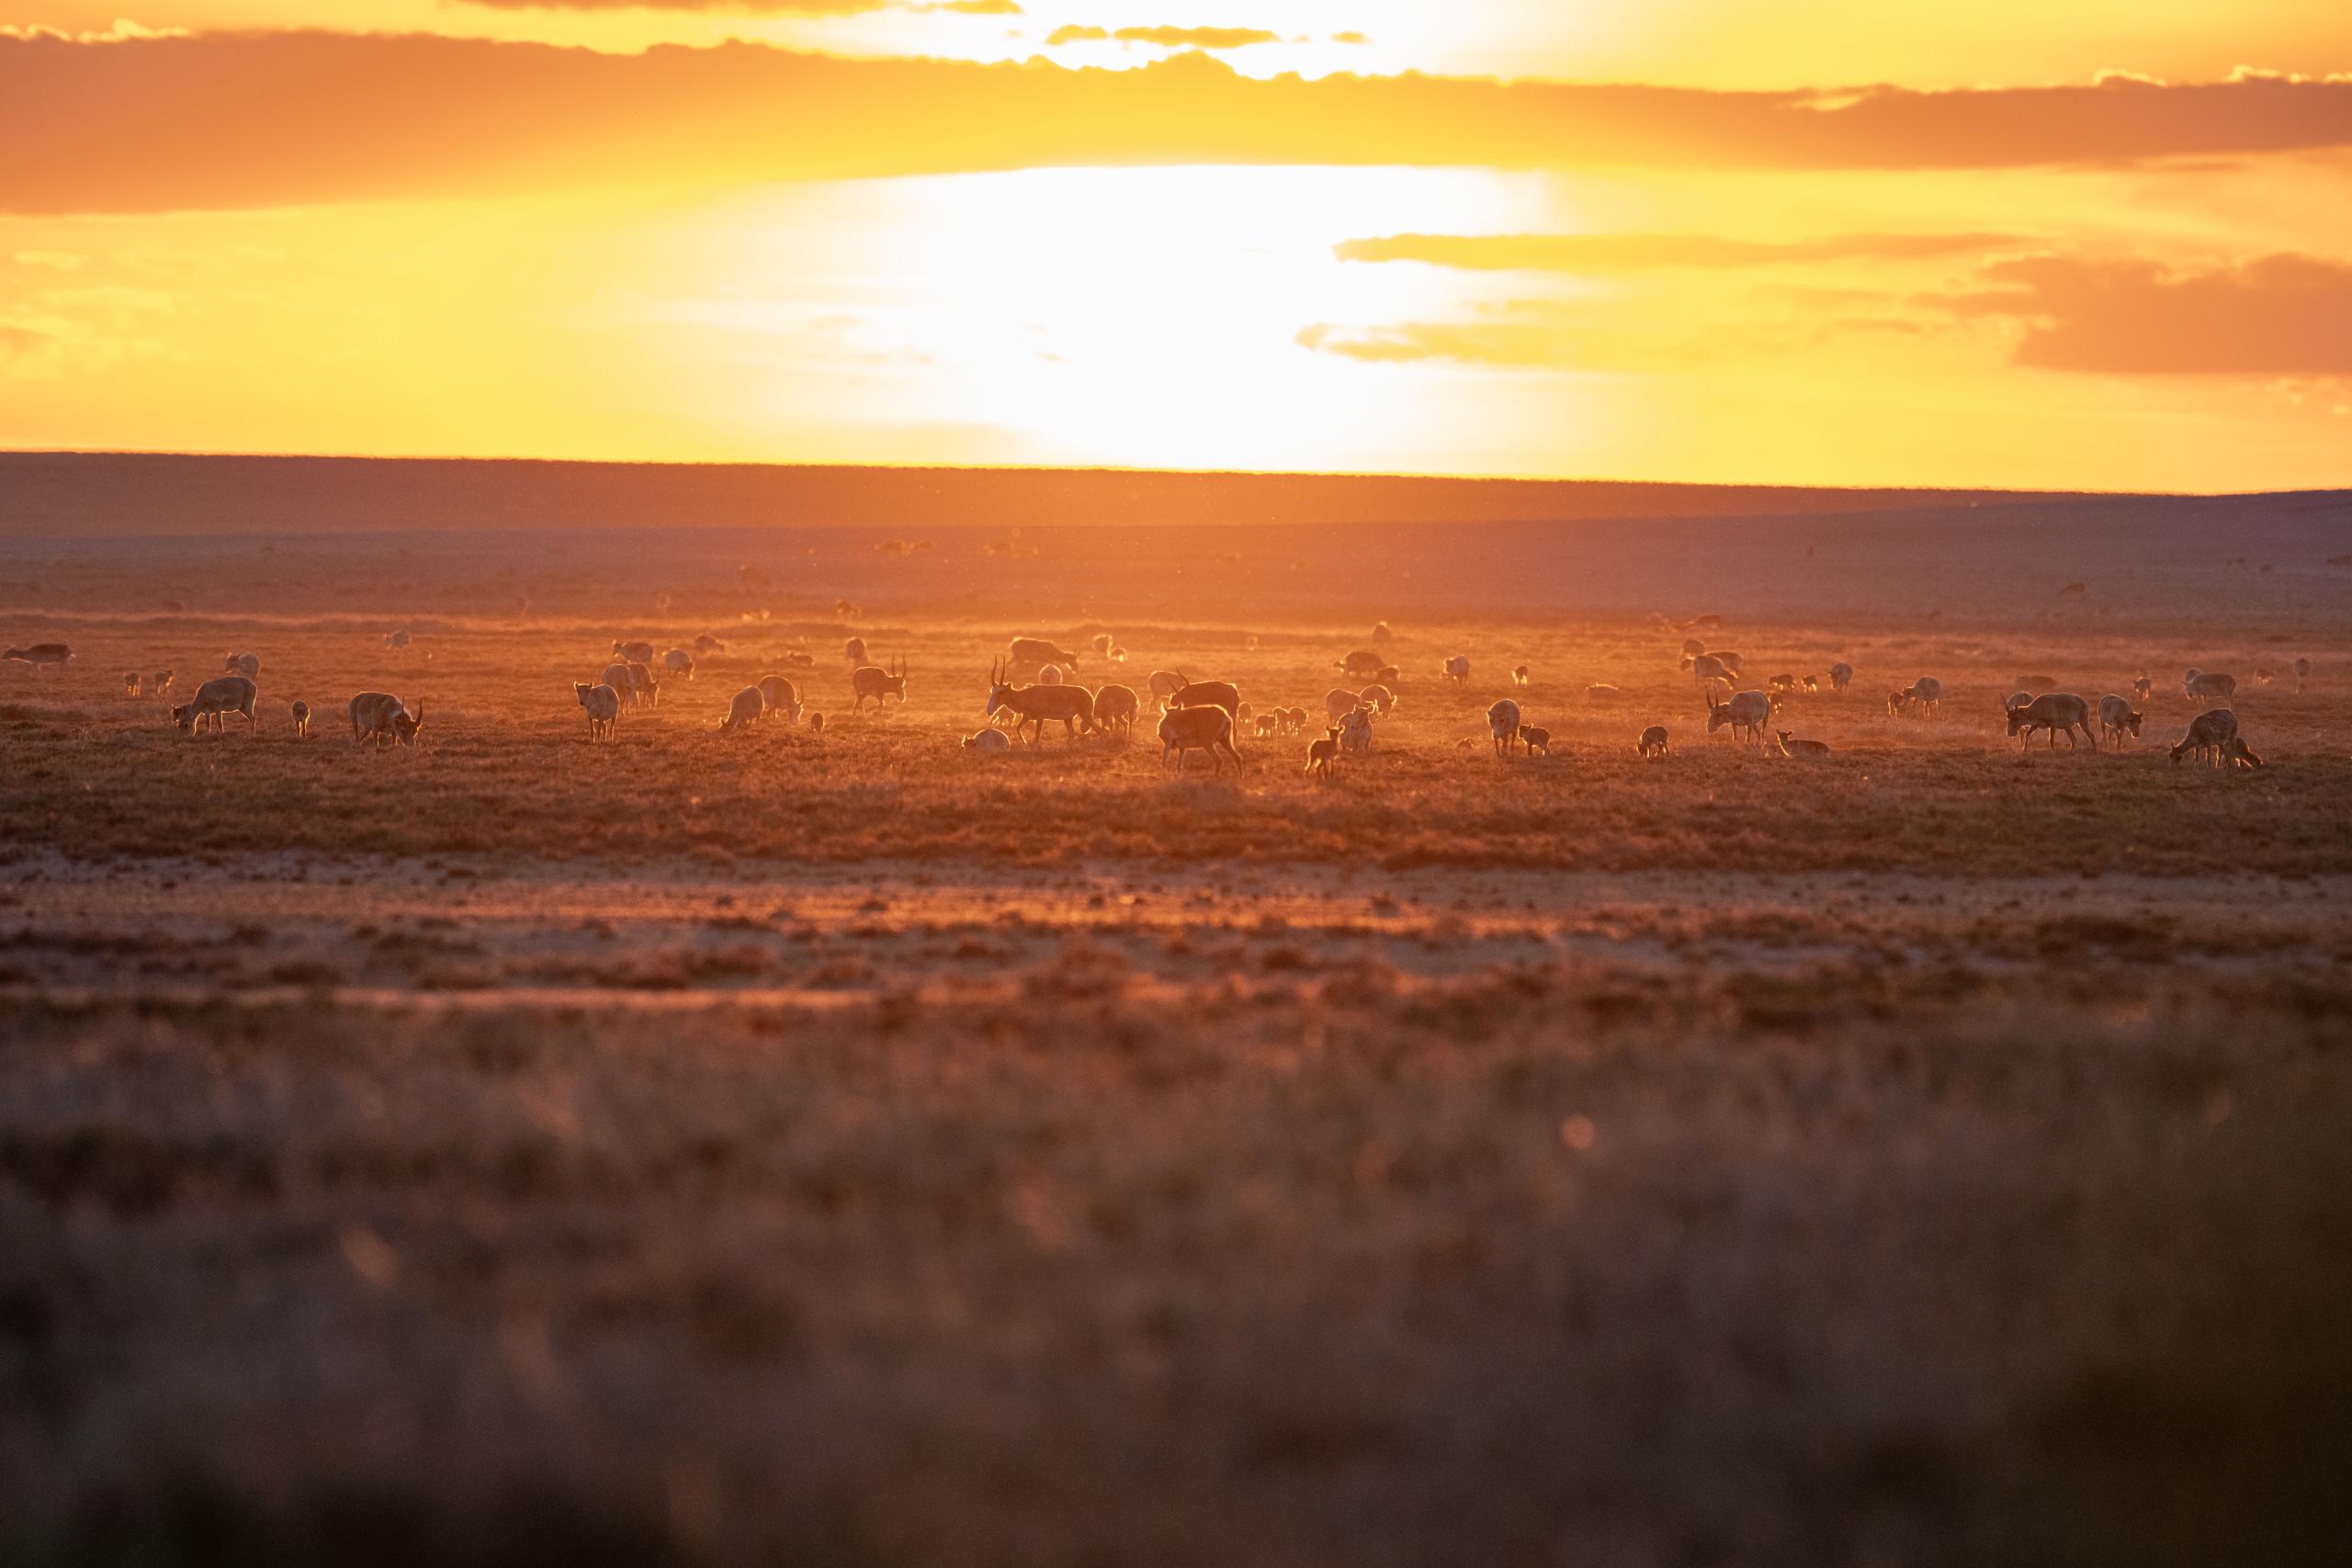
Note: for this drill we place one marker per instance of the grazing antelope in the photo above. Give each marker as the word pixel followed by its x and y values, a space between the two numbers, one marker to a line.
pixel 1812 685
pixel 1073 705
pixel 1746 713
pixel 1841 675
pixel 1457 668
pixel 1652 742
pixel 1806 751
pixel 397 638
pixel 1692 649
pixel 2118 719
pixel 2208 735
pixel 649 690
pixel 2238 755
pixel 678 662
pixel 1378 698
pixel 987 741
pixel 1782 685
pixel 706 644
pixel 246 664
pixel 1117 704
pixel 603 706
pixel 54 656
pixel 1186 731
pixel 642 652
pixel 1034 652
pixel 1730 661
pixel 2144 688
pixel 1390 677
pixel 778 695
pixel 2052 711
pixel 1338 702
pixel 161 685
pixel 1356 732
pixel 301 721
pixel 744 710
pixel 130 682
pixel 1706 668
pixel 1896 702
pixel 1273 724
pixel 214 701
pixel 383 718
pixel 621 678
pixel 1381 633
pixel 798 658
pixel 1323 756
pixel 1363 662
pixel 1535 738
pixel 1519 676
pixel 2201 683
pixel 872 681
pixel 1502 723
pixel 1165 683
pixel 1051 675
pixel 816 724
pixel 1601 692
pixel 855 651
pixel 1924 695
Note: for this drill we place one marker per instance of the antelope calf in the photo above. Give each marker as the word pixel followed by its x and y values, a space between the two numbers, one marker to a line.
pixel 1808 751
pixel 2145 689
pixel 1812 685
pixel 1519 676
pixel 1457 668
pixel 2117 718
pixel 987 741
pixel 816 724
pixel 1323 756
pixel 1652 742
pixel 2238 755
pixel 678 662
pixel 603 706
pixel 1782 685
pixel 1355 733
pixel 1535 738
pixel 744 711
pixel 1270 725
pixel 161 685
pixel 383 718
pixel 301 721
pixel 130 682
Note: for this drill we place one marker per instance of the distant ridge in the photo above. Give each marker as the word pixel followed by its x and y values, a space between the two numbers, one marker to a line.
pixel 68 493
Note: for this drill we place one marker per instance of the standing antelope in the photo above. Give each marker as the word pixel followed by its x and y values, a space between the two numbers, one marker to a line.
pixel 214 701
pixel 130 682
pixel 1706 667
pixel 1036 652
pixel 1381 633
pixel 301 721
pixel 1457 668
pixel 2203 683
pixel 246 664
pixel 602 706
pixel 161 685
pixel 2144 688
pixel 1073 705
pixel 677 662
pixel 872 681
pixel 1519 676
pixel 2117 718
pixel 383 718
pixel 1356 732
pixel 1338 702
pixel 1746 713
pixel 855 651
pixel 642 652
pixel 1535 738
pixel 1841 675
pixel 1363 662
pixel 1924 694
pixel 1186 731
pixel 1323 756
pixel 1502 723
pixel 397 638
pixel 649 690
pixel 621 678
pixel 2054 711
pixel 51 655
pixel 1652 742
pixel 1379 699
pixel 1813 685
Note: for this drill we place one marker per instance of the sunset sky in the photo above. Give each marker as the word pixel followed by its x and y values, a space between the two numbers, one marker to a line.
pixel 1813 241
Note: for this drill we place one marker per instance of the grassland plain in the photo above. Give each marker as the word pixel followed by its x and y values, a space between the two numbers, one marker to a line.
pixel 836 1148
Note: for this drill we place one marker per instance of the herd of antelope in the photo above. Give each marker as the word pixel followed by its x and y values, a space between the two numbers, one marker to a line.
pixel 1034 682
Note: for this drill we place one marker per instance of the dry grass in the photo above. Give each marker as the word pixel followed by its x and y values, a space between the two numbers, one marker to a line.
pixel 837 1149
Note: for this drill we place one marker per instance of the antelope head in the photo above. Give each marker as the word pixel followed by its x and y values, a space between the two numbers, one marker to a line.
pixel 406 724
pixel 1000 691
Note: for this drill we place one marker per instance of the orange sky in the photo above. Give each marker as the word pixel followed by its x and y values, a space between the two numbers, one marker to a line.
pixel 1816 241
